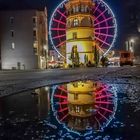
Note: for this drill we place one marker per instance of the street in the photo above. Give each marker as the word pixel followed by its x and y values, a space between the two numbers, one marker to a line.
pixel 12 82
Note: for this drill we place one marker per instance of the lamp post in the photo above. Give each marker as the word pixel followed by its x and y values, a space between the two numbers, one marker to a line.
pixel 131 45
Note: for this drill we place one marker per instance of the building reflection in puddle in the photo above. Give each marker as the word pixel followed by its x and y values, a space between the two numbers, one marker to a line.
pixel 43 101
pixel 84 106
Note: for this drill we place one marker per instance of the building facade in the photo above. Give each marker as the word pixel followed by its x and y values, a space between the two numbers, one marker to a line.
pixel 131 10
pixel 23 39
pixel 81 104
pixel 80 42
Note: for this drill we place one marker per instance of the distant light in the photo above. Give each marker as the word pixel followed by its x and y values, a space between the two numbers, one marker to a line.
pixel 47 88
pixel 45 47
pixel 13 45
pixel 132 40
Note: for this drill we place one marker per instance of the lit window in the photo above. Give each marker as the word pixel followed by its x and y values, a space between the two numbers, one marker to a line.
pixel 77 109
pixel 13 45
pixel 76 22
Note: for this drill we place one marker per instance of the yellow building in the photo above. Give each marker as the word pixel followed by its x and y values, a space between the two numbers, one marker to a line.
pixel 80 42
pixel 81 100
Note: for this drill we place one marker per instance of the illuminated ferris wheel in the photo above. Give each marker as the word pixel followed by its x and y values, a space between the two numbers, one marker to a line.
pixel 105 26
pixel 104 106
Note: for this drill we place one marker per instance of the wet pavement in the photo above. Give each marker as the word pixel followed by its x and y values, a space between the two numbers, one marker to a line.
pixel 83 110
pixel 12 82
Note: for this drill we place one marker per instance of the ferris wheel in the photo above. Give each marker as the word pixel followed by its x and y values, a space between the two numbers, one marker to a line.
pixel 105 105
pixel 105 26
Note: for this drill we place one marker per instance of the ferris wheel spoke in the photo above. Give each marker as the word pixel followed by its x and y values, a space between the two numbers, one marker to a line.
pixel 106 35
pixel 64 109
pixel 62 14
pixel 96 7
pixel 58 29
pixel 103 116
pixel 59 36
pixel 107 19
pixel 59 21
pixel 102 41
pixel 105 109
pixel 60 96
pixel 108 27
pixel 104 96
pixel 100 49
pixel 63 89
pixel 63 103
pixel 60 44
pixel 103 89
pixel 64 117
pixel 98 121
pixel 100 14
pixel 103 102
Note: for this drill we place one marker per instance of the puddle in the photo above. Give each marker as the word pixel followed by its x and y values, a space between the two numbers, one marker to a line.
pixel 79 110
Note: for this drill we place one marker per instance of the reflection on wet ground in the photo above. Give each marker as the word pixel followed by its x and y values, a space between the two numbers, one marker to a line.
pixel 79 110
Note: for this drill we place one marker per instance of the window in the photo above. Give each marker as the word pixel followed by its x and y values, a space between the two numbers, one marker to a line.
pixel 34 20
pixel 11 20
pixel 35 51
pixel 74 9
pixel 12 33
pixel 68 24
pixel 82 8
pixel 77 9
pixel 76 22
pixel 13 45
pixel 75 35
pixel 76 96
pixel 35 34
pixel 77 109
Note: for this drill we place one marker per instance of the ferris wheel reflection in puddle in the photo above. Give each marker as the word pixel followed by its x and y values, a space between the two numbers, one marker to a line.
pixel 84 106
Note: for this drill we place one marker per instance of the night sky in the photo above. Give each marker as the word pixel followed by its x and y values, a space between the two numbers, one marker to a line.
pixel 51 4
pixel 116 6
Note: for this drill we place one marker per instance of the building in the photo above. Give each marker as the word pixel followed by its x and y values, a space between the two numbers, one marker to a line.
pixel 131 10
pixel 23 39
pixel 80 98
pixel 43 98
pixel 80 42
pixel 81 105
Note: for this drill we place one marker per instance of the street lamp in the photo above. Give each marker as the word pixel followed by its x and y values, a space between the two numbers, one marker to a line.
pixel 132 41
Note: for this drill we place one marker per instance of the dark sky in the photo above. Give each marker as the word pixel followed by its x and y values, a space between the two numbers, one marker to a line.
pixel 39 4
pixel 116 6
pixel 51 4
